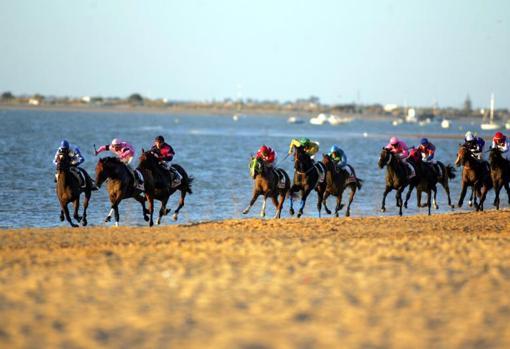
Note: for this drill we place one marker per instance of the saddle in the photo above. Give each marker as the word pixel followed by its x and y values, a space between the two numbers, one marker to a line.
pixel 80 176
pixel 282 181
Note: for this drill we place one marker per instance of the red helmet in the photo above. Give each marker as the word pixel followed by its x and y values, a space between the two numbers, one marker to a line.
pixel 499 137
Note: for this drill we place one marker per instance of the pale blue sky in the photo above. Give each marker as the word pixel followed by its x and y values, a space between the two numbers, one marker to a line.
pixel 378 51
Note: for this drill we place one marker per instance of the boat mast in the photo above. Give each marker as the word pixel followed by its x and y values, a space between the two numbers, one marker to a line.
pixel 492 108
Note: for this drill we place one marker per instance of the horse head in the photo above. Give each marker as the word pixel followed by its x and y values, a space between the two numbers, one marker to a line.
pixel 495 157
pixel 385 157
pixel 148 160
pixel 63 161
pixel 462 155
pixel 302 161
pixel 326 160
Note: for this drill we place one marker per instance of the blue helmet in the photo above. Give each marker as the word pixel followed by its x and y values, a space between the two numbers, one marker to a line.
pixel 64 144
pixel 334 149
pixel 424 141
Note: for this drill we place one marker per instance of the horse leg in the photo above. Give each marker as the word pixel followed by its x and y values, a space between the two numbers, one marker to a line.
pixel 351 197
pixel 324 202
pixel 85 206
pixel 278 204
pixel 320 198
pixel 252 201
pixel 497 189
pixel 408 195
pixel 163 210
pixel 291 194
pixel 263 209
pixel 76 205
pixel 181 204
pixel 150 200
pixel 117 216
pixel 429 195
pixel 446 187
pixel 386 191
pixel 109 216
pixel 62 218
pixel 484 191
pixel 145 212
pixel 304 195
pixel 463 194
pixel 472 198
pixel 418 197
pixel 507 188
pixel 67 215
pixel 398 197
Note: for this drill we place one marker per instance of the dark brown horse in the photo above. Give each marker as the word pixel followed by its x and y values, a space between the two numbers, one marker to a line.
pixel 336 182
pixel 159 185
pixel 475 175
pixel 500 174
pixel 445 174
pixel 396 177
pixel 69 190
pixel 121 185
pixel 267 183
pixel 308 176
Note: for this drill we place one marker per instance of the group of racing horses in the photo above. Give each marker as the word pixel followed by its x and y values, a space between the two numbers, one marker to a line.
pixel 323 176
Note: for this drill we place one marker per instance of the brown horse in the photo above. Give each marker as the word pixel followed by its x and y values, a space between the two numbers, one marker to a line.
pixel 121 185
pixel 396 177
pixel 308 176
pixel 267 184
pixel 500 174
pixel 69 190
pixel 336 182
pixel 159 184
pixel 475 175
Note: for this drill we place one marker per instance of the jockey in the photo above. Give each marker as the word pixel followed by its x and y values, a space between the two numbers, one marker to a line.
pixel 164 152
pixel 311 148
pixel 267 155
pixel 399 148
pixel 125 152
pixel 72 151
pixel 427 150
pixel 501 142
pixel 474 145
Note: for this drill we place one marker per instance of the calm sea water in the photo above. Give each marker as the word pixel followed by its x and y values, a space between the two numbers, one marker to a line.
pixel 213 149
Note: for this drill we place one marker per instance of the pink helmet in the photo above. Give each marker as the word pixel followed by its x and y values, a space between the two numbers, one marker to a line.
pixel 116 141
pixel 394 140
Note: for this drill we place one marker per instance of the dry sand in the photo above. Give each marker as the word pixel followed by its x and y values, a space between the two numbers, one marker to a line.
pixel 411 282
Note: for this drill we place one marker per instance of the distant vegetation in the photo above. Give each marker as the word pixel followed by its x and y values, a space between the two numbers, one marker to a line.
pixel 310 105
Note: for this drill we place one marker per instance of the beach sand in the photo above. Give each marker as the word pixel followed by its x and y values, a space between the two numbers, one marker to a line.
pixel 412 282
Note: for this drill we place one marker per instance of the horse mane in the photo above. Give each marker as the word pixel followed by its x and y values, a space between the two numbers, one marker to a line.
pixel 111 159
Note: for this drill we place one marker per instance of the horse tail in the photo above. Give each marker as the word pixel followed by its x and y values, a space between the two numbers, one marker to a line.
pixel 450 171
pixel 190 181
pixel 359 183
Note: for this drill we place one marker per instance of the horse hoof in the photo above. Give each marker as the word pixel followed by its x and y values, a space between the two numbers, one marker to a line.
pixel 245 211
pixel 328 211
pixel 452 207
pixel 436 207
pixel 107 219
pixel 78 218
pixel 74 225
pixel 470 203
pixel 348 214
pixel 146 218
pixel 174 217
pixel 291 211
pixel 341 206
pixel 151 224
pixel 84 222
pixel 167 211
pixel 336 214
pixel 383 209
pixel 159 221
pixel 62 218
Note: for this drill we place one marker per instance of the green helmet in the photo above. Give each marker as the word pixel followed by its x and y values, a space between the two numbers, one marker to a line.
pixel 304 141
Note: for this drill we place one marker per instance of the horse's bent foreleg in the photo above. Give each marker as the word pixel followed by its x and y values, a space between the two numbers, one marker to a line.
pixel 324 202
pixel 351 198
pixel 254 197
pixel 141 200
pixel 67 215
pixel 163 210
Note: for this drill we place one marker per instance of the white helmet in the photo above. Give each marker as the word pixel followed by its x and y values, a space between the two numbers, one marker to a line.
pixel 116 141
pixel 469 136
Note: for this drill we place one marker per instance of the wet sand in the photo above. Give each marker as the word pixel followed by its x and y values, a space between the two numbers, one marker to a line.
pixel 411 282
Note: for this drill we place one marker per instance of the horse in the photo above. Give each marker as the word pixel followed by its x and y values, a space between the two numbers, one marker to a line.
pixel 500 174
pixel 68 190
pixel 474 175
pixel 267 184
pixel 446 174
pixel 121 185
pixel 396 177
pixel 336 182
pixel 307 176
pixel 159 185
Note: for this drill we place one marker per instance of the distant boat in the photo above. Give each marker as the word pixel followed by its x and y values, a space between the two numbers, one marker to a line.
pixel 397 122
pixel 295 120
pixel 507 125
pixel 235 117
pixel 319 119
pixel 491 125
pixel 445 123
pixel 338 120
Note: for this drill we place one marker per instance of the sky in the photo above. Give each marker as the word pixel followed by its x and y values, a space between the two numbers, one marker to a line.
pixel 381 51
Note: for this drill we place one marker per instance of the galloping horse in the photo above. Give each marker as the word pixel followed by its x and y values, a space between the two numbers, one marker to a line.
pixel 307 177
pixel 69 190
pixel 500 174
pixel 475 175
pixel 120 185
pixel 159 186
pixel 447 173
pixel 396 177
pixel 267 183
pixel 336 182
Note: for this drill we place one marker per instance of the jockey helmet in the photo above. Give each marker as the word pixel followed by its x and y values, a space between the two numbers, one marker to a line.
pixel 499 137
pixel 394 140
pixel 116 141
pixel 159 139
pixel 424 141
pixel 64 144
pixel 264 149
pixel 304 141
pixel 334 149
pixel 469 136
